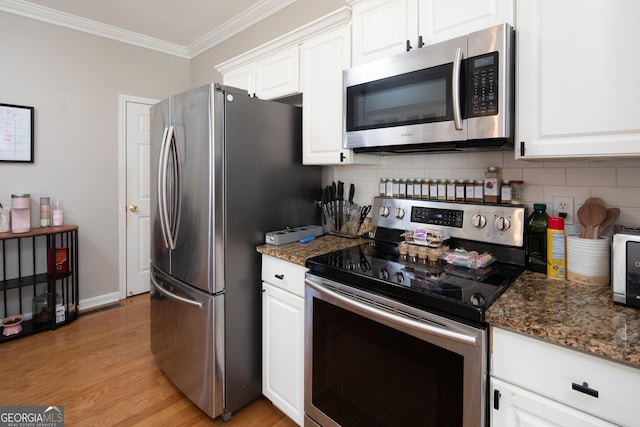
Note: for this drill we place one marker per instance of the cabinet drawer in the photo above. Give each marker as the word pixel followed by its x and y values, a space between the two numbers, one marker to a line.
pixel 556 372
pixel 283 274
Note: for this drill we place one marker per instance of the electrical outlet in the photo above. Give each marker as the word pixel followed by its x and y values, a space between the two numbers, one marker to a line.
pixel 563 207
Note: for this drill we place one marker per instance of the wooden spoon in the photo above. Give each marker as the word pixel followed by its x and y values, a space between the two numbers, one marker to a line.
pixel 594 231
pixel 590 215
pixel 610 218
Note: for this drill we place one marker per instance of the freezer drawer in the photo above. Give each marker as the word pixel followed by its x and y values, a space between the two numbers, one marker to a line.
pixel 186 340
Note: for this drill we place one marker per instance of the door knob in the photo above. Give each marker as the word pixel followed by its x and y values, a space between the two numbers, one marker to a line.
pixel 133 208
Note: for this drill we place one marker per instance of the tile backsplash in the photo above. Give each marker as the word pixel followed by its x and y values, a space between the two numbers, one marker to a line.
pixel 616 181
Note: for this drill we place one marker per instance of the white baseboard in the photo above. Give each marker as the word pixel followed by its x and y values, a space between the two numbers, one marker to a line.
pixel 88 303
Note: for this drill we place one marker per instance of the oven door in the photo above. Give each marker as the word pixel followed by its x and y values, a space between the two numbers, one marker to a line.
pixel 372 361
pixel 410 98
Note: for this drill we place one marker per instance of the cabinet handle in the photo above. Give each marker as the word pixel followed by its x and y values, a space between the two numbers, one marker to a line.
pixel 420 42
pixel 280 276
pixel 584 388
pixel 496 399
pixel 409 46
pixel 522 149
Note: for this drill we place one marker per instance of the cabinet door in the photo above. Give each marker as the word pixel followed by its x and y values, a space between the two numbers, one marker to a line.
pixel 382 28
pixel 441 20
pixel 577 77
pixel 278 74
pixel 283 350
pixel 512 406
pixel 242 77
pixel 322 60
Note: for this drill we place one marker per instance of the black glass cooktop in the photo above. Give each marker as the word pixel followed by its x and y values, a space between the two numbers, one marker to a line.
pixel 451 291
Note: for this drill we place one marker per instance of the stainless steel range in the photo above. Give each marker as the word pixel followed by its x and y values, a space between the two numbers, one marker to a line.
pixel 392 340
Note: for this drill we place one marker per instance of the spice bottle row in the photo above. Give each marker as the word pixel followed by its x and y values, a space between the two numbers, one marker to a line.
pixel 492 189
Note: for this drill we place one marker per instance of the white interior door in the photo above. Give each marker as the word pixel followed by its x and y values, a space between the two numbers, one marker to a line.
pixel 137 198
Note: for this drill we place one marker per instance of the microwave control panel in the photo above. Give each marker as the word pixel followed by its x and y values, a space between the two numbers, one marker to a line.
pixel 482 85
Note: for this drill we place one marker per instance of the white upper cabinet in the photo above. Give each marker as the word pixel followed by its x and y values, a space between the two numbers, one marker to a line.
pixel 273 76
pixel 243 77
pixel 323 58
pixel 383 27
pixel 445 19
pixel 577 79
pixel 278 74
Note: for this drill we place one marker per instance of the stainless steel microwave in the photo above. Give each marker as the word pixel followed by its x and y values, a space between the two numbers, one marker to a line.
pixel 450 96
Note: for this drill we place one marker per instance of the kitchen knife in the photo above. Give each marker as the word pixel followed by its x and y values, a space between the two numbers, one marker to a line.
pixel 327 197
pixel 352 192
pixel 334 206
pixel 323 205
pixel 340 197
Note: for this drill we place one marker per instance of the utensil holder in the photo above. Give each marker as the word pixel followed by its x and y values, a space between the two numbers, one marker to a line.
pixel 588 260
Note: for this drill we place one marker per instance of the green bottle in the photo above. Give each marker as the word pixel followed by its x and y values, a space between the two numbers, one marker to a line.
pixel 536 239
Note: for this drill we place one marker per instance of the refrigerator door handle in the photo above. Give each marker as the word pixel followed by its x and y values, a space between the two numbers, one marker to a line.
pixel 174 227
pixel 162 186
pixel 171 295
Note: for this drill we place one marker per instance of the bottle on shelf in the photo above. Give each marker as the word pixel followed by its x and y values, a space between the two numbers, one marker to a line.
pixel 58 213
pixel 492 185
pixel 536 239
pixel 45 212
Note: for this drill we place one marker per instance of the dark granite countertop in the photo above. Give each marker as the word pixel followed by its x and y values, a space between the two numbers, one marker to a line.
pixel 578 316
pixel 298 253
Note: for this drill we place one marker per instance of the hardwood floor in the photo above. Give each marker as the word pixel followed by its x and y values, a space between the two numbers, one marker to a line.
pixel 100 368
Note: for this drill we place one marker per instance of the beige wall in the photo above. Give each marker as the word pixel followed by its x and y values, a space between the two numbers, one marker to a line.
pixel 288 19
pixel 73 80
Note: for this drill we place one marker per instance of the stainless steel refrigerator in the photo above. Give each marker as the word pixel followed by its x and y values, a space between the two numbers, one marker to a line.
pixel 225 169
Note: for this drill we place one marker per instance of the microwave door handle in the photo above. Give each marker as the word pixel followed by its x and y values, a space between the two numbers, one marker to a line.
pixel 457 65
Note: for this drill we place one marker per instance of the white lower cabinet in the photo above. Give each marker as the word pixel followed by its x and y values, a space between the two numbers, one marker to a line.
pixel 536 383
pixel 283 336
pixel 512 406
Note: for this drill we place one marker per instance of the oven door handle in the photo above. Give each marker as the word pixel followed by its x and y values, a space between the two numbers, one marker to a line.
pixel 413 324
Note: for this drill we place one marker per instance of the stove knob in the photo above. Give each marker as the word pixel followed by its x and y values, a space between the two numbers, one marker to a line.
pixel 399 277
pixel 502 223
pixel 477 299
pixel 384 274
pixel 399 212
pixel 479 221
pixel 384 211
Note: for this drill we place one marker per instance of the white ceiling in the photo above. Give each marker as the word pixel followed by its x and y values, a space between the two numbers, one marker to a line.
pixel 180 27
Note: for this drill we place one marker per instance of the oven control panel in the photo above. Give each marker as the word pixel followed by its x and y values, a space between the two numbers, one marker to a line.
pixel 490 223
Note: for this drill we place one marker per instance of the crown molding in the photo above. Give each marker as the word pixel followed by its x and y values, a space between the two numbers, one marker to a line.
pixel 252 15
pixel 330 21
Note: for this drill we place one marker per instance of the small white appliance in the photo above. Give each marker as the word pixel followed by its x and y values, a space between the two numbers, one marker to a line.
pixel 625 267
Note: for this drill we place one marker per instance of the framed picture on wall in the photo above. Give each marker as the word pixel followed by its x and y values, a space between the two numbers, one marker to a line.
pixel 16 133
